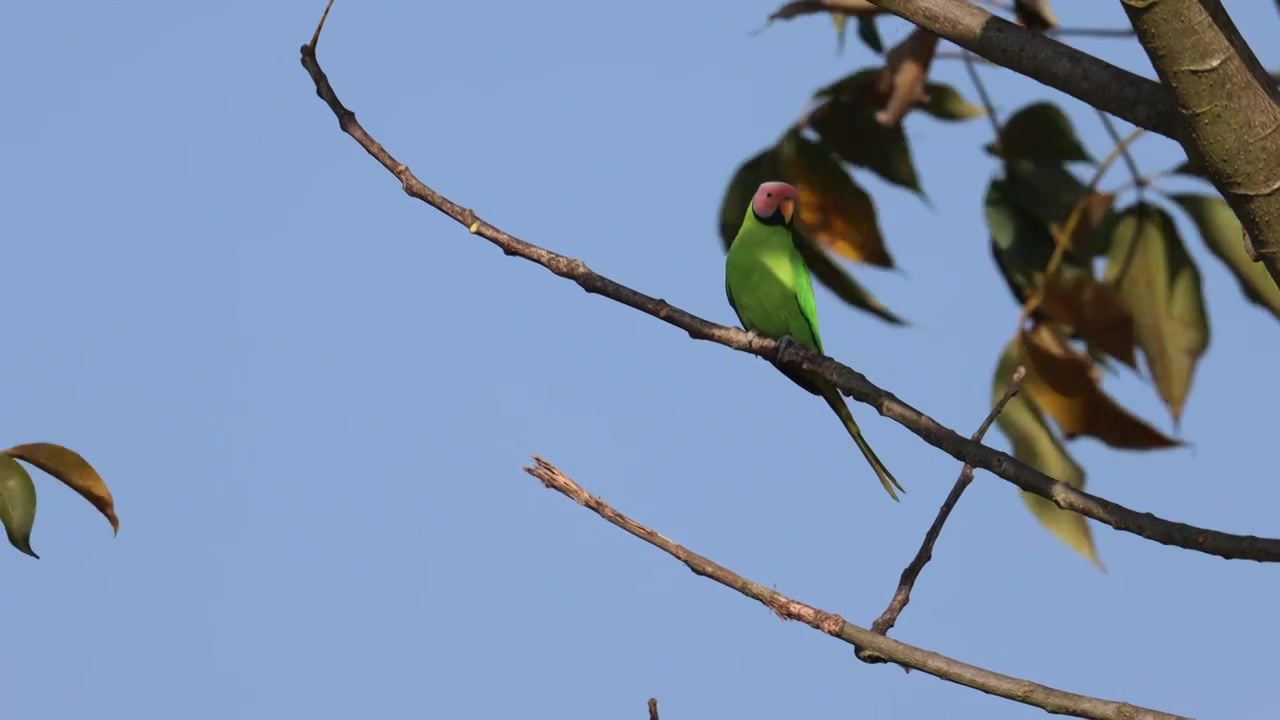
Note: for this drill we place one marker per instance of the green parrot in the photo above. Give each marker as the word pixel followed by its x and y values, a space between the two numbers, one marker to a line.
pixel 770 289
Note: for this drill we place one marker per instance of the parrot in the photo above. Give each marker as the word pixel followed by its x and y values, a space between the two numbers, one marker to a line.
pixel 770 290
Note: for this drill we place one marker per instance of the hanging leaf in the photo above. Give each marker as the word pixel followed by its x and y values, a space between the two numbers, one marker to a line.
pixel 1061 383
pixel 17 504
pixel 848 126
pixel 946 103
pixel 1022 246
pixel 1051 192
pixel 1160 285
pixel 74 471
pixel 869 33
pixel 1034 443
pixel 1042 133
pixel 833 210
pixel 1221 232
pixel 1035 15
pixel 761 168
pixel 842 283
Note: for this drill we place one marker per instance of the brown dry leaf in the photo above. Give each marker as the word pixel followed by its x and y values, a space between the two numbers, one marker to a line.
pixel 1092 219
pixel 1060 382
pixel 903 78
pixel 76 472
pixel 1034 443
pixel 1093 310
pixel 833 211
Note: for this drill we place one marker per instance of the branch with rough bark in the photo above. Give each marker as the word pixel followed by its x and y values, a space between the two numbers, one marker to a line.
pixel 849 381
pixel 1215 98
pixel 1227 103
pixel 1126 95
pixel 1024 691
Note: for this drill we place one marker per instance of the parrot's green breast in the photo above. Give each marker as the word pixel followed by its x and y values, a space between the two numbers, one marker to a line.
pixel 769 286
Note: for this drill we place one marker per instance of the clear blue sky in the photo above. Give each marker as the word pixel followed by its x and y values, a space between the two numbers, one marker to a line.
pixel 312 395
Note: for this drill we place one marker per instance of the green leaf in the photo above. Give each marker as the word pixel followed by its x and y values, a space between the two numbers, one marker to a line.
pixel 946 103
pixel 1222 233
pixel 1036 445
pixel 870 33
pixel 17 504
pixel 831 275
pixel 848 126
pixel 1042 133
pixel 1159 284
pixel 1050 193
pixel 74 471
pixel 1020 243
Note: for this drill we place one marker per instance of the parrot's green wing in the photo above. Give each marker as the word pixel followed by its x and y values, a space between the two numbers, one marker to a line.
pixel 804 294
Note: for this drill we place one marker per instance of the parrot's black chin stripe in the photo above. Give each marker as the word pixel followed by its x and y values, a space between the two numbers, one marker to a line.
pixel 777 218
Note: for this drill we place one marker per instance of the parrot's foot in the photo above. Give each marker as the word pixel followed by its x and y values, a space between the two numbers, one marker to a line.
pixel 785 344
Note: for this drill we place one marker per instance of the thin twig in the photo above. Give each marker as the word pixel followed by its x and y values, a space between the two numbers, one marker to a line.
pixel 983 94
pixel 795 356
pixel 993 683
pixel 1132 164
pixel 907 582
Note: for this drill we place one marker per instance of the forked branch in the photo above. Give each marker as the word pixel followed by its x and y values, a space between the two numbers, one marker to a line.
pixel 1024 691
pixel 850 382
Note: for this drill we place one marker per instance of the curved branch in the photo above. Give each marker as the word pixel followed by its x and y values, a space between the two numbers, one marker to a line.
pixel 940 666
pixel 1128 96
pixel 1228 103
pixel 850 382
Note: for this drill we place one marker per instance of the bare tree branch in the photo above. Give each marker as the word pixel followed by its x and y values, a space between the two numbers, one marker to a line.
pixel 902 595
pixel 1228 103
pixel 850 382
pixel 1143 102
pixel 1024 691
pixel 653 708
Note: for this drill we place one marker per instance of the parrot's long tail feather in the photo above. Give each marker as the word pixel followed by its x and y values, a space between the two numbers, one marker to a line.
pixel 832 396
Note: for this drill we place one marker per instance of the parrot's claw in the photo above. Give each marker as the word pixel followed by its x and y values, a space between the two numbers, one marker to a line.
pixel 785 343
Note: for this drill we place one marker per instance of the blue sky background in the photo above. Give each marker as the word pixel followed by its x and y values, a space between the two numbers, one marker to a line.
pixel 312 396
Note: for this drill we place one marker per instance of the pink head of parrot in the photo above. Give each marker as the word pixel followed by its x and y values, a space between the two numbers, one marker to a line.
pixel 775 203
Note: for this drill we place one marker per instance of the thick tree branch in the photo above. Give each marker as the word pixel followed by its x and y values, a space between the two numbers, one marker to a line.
pixel 1024 691
pixel 1227 102
pixel 1143 102
pixel 850 382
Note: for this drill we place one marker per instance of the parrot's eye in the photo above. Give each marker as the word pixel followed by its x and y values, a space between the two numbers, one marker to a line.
pixel 768 195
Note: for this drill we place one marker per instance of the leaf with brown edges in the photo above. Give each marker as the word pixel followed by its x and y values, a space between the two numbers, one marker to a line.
pixel 833 210
pixel 73 470
pixel 1159 284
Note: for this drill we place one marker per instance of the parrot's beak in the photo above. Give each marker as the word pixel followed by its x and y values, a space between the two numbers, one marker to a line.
pixel 788 208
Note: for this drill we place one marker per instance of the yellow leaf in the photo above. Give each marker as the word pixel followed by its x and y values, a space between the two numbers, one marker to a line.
pixel 1060 382
pixel 76 472
pixel 1035 444
pixel 1160 285
pixel 1221 232
pixel 833 210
